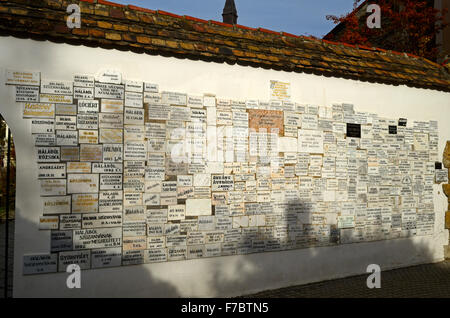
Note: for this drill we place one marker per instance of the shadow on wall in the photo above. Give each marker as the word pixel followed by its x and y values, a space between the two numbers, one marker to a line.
pixel 237 275
pixel 322 261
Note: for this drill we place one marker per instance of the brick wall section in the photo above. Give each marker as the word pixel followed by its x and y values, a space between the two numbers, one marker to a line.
pixel 130 28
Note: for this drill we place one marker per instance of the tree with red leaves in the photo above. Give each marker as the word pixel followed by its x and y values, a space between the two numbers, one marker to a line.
pixel 406 26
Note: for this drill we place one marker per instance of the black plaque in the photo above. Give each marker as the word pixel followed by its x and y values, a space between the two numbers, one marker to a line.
pixel 392 130
pixel 402 122
pixel 354 130
pixel 438 165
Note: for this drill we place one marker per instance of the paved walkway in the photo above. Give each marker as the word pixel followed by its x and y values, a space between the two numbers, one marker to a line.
pixel 2 258
pixel 424 281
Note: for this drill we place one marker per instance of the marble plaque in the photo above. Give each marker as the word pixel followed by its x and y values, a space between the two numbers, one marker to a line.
pixel 81 80
pixel 80 258
pixel 91 107
pixel 134 99
pixel 83 92
pixel 112 153
pixel 134 116
pixel 97 238
pixel 48 154
pixel 110 201
pixel 268 120
pixel 109 91
pixel 56 87
pixel 61 241
pixel 52 187
pixel 88 136
pixel 42 126
pixel 48 222
pixel 112 106
pixel 27 94
pixel 310 141
pixel 51 170
pixel 85 203
pixel 87 122
pixel 56 99
pixel 70 222
pixel 66 138
pixel 106 257
pixel 197 207
pixel 110 120
pixel 40 264
pixel 111 136
pixel 38 110
pixel 102 220
pixel 15 77
pixel 82 183
pixel 111 182
pixel 66 109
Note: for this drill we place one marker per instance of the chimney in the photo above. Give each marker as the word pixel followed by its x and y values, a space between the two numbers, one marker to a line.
pixel 229 12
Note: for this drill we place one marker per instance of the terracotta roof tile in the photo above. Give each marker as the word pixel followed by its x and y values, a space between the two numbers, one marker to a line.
pixel 111 25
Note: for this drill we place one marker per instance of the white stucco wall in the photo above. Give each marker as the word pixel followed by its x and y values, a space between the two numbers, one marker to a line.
pixel 222 276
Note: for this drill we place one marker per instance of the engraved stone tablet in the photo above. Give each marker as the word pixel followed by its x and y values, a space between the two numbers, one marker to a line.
pixel 47 154
pixel 270 120
pixel 80 80
pixel 88 106
pixel 80 258
pixel 38 110
pixel 85 203
pixel 91 153
pixel 106 257
pixel 14 77
pixel 82 183
pixel 97 238
pixel 56 87
pixel 27 94
pixel 40 264
pixel 112 106
pixel 110 91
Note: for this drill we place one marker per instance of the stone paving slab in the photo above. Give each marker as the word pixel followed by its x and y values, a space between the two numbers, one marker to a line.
pixel 423 281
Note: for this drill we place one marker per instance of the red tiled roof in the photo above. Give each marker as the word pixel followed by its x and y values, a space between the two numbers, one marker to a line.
pixel 109 25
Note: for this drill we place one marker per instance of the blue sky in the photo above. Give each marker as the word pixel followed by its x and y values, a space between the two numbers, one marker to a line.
pixel 306 17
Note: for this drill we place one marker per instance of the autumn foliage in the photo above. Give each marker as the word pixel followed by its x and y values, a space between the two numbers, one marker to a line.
pixel 406 26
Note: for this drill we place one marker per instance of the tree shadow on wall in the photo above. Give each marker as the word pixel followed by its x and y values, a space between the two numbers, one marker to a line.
pixel 313 259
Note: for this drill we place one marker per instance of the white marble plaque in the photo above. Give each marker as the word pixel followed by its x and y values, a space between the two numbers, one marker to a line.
pixel 42 126
pixel 310 141
pixel 80 80
pixel 48 154
pixel 112 106
pixel 88 106
pixel 56 87
pixel 97 238
pixel 82 183
pixel 134 116
pixel 40 264
pixel 38 110
pixel 27 94
pixel 111 182
pixel 106 257
pixel 83 92
pixel 85 203
pixel 109 91
pixel 56 205
pixel 15 77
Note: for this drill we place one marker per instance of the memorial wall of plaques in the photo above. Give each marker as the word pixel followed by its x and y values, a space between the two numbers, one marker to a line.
pixel 131 174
